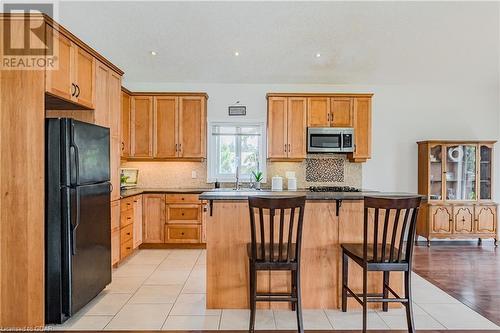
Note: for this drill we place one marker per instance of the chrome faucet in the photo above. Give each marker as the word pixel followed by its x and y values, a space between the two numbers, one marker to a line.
pixel 237 185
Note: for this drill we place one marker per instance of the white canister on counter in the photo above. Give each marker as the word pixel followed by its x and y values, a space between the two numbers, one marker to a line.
pixel 277 183
pixel 292 184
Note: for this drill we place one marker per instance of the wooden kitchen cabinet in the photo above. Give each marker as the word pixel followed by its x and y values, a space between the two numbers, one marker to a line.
pixel 290 114
pixel 115 232
pixel 287 119
pixel 486 219
pixel 153 218
pixel 142 126
pixel 192 127
pixel 74 78
pixel 362 115
pixel 115 84
pixel 463 219
pixel 166 127
pixel 166 122
pixel 137 232
pixel 342 112
pixel 441 219
pixel 125 125
pixel 318 112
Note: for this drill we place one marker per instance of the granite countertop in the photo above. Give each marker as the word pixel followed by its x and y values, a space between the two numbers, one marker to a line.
pixel 243 195
pixel 140 190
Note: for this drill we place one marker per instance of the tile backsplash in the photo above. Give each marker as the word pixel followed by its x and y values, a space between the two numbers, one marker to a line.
pixel 316 170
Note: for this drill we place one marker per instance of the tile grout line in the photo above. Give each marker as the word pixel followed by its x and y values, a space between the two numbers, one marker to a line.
pixel 170 311
pixel 132 294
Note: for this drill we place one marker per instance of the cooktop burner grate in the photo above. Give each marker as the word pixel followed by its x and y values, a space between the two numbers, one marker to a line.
pixel 333 189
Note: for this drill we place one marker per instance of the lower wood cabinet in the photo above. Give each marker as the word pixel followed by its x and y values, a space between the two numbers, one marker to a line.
pixel 474 220
pixel 115 232
pixel 126 227
pixel 137 232
pixel 173 218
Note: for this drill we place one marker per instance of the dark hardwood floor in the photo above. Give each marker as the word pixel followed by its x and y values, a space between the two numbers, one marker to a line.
pixel 466 271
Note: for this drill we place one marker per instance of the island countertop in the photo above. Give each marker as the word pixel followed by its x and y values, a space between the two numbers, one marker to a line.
pixel 229 194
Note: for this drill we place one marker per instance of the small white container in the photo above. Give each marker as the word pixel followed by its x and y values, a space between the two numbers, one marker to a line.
pixel 292 184
pixel 277 183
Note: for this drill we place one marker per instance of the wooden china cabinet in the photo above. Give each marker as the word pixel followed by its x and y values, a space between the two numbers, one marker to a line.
pixel 457 178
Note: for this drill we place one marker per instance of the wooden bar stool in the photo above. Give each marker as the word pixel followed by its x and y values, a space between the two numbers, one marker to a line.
pixel 391 249
pixel 276 247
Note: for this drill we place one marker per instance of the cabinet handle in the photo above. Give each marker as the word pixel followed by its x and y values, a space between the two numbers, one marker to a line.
pixel 182 233
pixel 123 145
pixel 73 89
pixel 180 146
pixel 128 218
pixel 289 148
pixel 285 147
pixel 176 147
pixel 78 93
pixel 128 233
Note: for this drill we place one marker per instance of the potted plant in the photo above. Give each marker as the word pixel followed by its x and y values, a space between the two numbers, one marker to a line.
pixel 258 176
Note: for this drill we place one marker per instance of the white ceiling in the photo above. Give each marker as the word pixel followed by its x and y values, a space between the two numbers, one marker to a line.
pixel 359 42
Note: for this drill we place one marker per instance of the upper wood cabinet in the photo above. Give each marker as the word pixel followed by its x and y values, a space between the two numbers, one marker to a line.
pixel 287 117
pixel 125 125
pixel 166 126
pixel 318 112
pixel 342 112
pixel 362 111
pixel 141 122
pixel 192 127
pixel 73 78
pixel 166 122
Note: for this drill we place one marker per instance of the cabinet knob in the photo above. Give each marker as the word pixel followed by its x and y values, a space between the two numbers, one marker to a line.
pixel 182 233
pixel 128 233
pixel 182 214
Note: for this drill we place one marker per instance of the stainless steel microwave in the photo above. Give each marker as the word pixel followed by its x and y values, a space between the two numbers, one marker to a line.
pixel 330 140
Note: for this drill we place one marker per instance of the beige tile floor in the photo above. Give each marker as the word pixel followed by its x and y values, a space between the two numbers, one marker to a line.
pixel 165 289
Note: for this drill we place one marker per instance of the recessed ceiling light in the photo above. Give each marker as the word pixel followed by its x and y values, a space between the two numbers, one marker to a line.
pixel 318 55
pixel 236 53
pixel 153 53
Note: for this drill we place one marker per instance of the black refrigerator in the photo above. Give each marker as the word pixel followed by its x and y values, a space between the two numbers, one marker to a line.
pixel 78 216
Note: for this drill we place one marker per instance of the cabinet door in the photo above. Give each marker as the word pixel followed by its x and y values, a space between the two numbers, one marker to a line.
pixel 297 127
pixel 141 126
pixel 441 219
pixel 277 127
pixel 125 125
pixel 102 112
pixel 115 232
pixel 165 126
pixel 192 127
pixel 318 112
pixel 59 80
pixel 342 112
pixel 461 172
pixel 137 221
pixel 115 86
pixel 463 217
pixel 153 218
pixel 84 77
pixel 485 171
pixel 486 218
pixel 114 165
pixel 362 129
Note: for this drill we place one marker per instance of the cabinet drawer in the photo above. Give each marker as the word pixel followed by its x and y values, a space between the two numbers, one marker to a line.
pixel 126 248
pixel 126 233
pixel 183 213
pixel 127 217
pixel 182 198
pixel 127 203
pixel 183 233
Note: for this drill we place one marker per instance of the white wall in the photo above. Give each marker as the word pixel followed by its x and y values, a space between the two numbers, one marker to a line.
pixel 402 115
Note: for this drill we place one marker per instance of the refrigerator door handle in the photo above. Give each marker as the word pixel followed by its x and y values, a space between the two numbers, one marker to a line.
pixel 77 155
pixel 75 226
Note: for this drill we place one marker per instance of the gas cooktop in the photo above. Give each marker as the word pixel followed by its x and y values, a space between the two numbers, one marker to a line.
pixel 333 189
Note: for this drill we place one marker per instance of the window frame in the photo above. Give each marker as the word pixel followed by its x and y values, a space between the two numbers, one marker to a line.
pixel 212 156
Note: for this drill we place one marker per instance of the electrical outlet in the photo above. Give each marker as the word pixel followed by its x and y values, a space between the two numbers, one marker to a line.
pixel 193 174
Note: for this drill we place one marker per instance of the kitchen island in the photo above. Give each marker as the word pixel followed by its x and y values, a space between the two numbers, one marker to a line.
pixel 330 219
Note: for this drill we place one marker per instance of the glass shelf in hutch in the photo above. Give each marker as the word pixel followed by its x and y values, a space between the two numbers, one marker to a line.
pixel 456 178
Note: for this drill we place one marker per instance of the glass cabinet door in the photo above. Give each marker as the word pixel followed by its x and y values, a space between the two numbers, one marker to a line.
pixel 436 173
pixel 485 160
pixel 460 172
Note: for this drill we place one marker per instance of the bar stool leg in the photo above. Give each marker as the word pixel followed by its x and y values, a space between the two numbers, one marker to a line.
pixel 385 305
pixel 300 326
pixel 253 288
pixel 294 289
pixel 365 302
pixel 409 305
pixel 345 279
